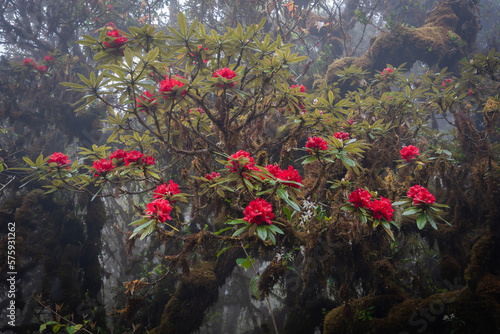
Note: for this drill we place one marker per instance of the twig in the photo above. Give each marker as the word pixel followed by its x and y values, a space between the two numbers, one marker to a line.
pixel 60 316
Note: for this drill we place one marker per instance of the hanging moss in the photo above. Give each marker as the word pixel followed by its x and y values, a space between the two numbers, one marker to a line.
pixel 434 43
pixel 185 310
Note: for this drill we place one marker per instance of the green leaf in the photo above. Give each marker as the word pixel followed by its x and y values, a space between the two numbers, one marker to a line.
pixel 399 203
pixel 411 211
pixel 309 160
pixel 274 229
pixel 235 222
pixel 181 20
pixel 262 232
pixel 28 161
pixel 222 251
pixel 282 193
pixel 254 287
pixel 287 213
pixel 421 220
pixel 431 221
pixel 245 263
pixel 241 230
pixel 347 161
pixel 248 183
pixel 349 208
pixel 272 238
pixel 129 58
pixel 362 217
pixel 222 230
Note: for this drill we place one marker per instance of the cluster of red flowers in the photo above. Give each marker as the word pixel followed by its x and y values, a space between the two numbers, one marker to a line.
pixel 29 62
pixel 316 144
pixel 387 71
pixel 117 42
pixel 302 89
pixel 166 191
pixel 49 59
pixel 381 208
pixel 159 209
pixel 235 164
pixel 119 157
pixel 409 152
pixel 360 198
pixel 212 176
pixel 289 174
pixel 341 135
pixel 420 195
pixel 145 97
pixel 122 156
pixel 445 83
pixel 167 86
pixel 258 211
pixel 42 68
pixel 102 167
pixel 226 73
pixel 60 159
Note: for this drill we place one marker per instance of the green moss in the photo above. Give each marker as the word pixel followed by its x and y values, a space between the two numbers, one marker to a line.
pixel 185 310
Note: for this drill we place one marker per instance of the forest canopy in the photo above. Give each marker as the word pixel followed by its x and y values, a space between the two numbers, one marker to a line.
pixel 250 166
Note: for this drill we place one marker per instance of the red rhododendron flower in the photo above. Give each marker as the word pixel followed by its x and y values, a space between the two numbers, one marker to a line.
pixel 409 152
pixel 386 72
pixel 102 166
pixel 350 121
pixel 145 97
pixel 42 69
pixel 290 174
pixel 148 161
pixel 235 164
pixel 117 42
pixel 118 155
pixel 445 83
pixel 258 211
pixel 212 176
pixel 49 59
pixel 60 159
pixel 167 86
pixel 159 209
pixel 165 190
pixel 420 195
pixel 275 170
pixel 302 89
pixel 360 198
pixel 133 156
pixel 226 73
pixel 341 135
pixel 470 93
pixel 28 62
pixel 382 208
pixel 315 144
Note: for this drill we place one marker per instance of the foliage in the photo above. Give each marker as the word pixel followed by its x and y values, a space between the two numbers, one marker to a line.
pixel 195 128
